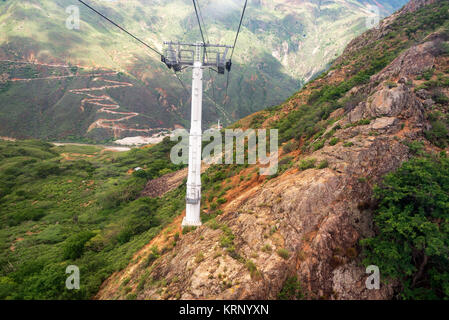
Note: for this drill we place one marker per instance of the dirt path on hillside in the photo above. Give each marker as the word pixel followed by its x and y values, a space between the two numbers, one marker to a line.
pixel 94 96
pixel 107 105
pixel 62 77
pixel 160 186
pixel 41 64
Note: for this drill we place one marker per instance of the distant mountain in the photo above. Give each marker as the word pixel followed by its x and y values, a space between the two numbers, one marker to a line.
pixel 98 83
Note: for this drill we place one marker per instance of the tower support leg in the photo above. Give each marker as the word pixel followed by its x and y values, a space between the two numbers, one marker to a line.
pixel 193 199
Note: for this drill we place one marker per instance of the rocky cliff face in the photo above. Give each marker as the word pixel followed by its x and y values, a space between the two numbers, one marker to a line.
pixel 306 223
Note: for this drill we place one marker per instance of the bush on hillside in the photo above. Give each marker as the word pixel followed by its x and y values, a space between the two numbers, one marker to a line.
pixel 412 223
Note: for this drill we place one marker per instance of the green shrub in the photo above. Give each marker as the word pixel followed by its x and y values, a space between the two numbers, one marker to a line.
pixel 214 224
pixel 363 122
pixel 266 248
pixel 140 218
pixel 124 236
pixel 199 258
pixel 165 171
pixel 291 289
pixel 283 253
pixel 213 206
pixel 290 146
pixel 153 256
pixel 318 145
pixel 252 268
pixel 334 141
pixel 285 161
pixel 7 287
pixel 323 164
pixel 257 121
pixel 440 98
pixel 428 74
pixel 131 296
pixel 438 134
pixel 307 164
pixel 74 246
pixel 227 239
pixel 186 230
pixel 391 84
pixel 362 179
pixel 415 147
pixel 126 281
pixel 127 191
pixel 141 174
pixel 412 238
pixel 31 214
pixel 46 169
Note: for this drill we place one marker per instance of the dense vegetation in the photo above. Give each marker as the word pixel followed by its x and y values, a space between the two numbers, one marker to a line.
pixel 412 223
pixel 75 205
pixel 79 205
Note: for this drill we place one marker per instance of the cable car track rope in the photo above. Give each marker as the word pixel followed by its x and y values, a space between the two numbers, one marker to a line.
pixel 134 37
pixel 204 36
pixel 233 48
pixel 199 19
pixel 238 30
pixel 199 22
pixel 121 28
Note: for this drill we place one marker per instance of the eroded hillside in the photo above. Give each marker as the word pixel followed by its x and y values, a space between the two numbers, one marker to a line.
pixel 341 134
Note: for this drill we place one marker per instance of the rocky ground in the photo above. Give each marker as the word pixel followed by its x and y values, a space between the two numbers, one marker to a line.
pixel 305 223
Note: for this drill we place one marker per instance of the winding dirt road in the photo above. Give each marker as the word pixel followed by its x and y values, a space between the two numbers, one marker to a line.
pixel 108 105
pixel 94 96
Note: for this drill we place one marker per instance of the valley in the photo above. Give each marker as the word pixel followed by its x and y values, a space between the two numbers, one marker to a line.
pixel 283 45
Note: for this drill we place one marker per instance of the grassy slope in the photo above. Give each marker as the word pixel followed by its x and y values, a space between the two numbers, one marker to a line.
pixel 52 195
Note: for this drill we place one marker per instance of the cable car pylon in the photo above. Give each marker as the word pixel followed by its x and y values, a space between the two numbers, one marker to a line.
pixel 198 56
pixel 179 56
